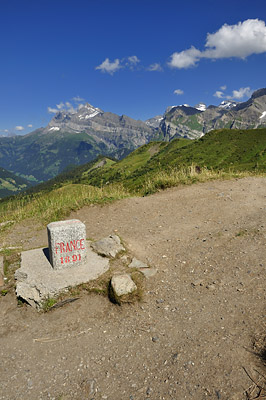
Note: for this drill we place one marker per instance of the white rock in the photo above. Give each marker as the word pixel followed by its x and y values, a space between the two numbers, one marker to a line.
pixel 109 246
pixel 148 272
pixel 123 284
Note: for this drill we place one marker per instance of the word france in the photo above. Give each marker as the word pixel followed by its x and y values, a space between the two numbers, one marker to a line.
pixel 69 247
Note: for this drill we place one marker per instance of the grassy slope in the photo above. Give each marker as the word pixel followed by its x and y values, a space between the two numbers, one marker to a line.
pixel 53 152
pixel 219 154
pixel 11 184
pixel 234 150
pixel 71 175
pixel 130 170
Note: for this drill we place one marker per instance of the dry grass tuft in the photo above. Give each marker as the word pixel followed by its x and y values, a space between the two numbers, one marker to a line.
pixel 187 176
pixel 57 204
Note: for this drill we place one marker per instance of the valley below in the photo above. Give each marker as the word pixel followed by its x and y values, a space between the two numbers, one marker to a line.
pixel 195 334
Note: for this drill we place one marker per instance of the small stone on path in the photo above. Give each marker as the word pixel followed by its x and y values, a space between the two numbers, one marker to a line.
pixel 135 263
pixel 123 284
pixel 109 246
pixel 148 272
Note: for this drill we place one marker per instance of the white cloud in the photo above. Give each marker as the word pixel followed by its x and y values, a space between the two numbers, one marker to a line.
pixel 236 94
pixel 109 67
pixel 77 99
pixel 223 87
pixel 178 91
pixel 60 106
pixel 30 125
pixel 52 110
pixel 185 59
pixel 132 63
pixel 19 128
pixel 240 40
pixel 112 67
pixel 239 94
pixel 133 60
pixel 219 94
pixel 67 106
pixel 155 67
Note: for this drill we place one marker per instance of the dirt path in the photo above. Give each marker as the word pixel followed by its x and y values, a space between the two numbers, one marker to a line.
pixel 190 337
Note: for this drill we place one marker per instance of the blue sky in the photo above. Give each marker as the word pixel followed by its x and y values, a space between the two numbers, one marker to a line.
pixel 128 57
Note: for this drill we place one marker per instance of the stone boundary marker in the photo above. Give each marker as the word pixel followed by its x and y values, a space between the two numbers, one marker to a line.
pixel 67 243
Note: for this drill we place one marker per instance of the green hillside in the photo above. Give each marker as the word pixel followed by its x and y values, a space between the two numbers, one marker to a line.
pixel 222 154
pixel 132 169
pixel 37 157
pixel 11 184
pixel 229 150
pixel 72 174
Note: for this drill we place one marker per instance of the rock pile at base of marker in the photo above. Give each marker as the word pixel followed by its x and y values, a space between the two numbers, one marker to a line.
pixel 70 261
pixel 37 280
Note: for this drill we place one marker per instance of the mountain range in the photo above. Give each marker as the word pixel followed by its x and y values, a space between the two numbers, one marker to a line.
pixel 75 138
pixel 194 122
pixel 72 139
pixel 224 151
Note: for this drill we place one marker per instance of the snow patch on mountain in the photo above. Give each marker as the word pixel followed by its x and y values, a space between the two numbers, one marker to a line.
pixel 87 111
pixel 87 116
pixel 92 114
pixel 227 105
pixel 154 122
pixel 201 107
pixel 263 115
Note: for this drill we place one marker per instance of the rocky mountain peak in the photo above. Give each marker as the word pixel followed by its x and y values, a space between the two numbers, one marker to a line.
pixel 87 111
pixel 194 122
pixel 259 93
pixel 155 121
